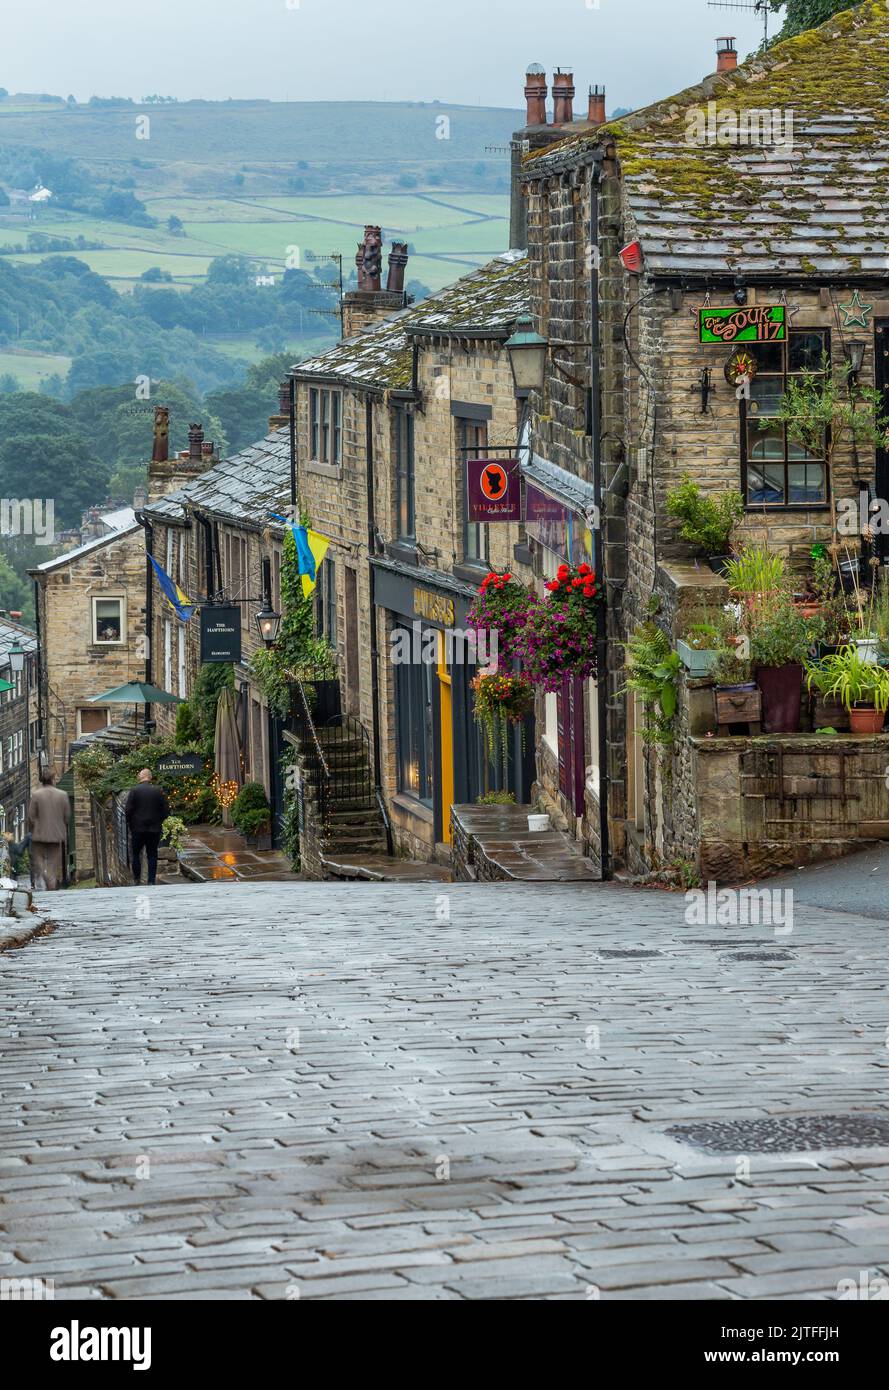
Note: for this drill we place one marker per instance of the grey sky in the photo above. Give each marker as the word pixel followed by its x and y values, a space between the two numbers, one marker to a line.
pixel 466 51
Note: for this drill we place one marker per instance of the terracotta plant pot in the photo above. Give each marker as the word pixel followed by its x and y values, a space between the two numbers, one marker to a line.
pixel 866 720
pixel 781 688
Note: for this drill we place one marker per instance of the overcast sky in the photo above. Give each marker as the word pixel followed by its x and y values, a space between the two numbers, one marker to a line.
pixel 461 51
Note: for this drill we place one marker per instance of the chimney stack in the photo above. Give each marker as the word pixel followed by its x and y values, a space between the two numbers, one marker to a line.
pixel 597 106
pixel 195 441
pixel 563 97
pixel 140 498
pixel 726 55
pixel 535 94
pixel 397 265
pixel 207 449
pixel 370 260
pixel 161 451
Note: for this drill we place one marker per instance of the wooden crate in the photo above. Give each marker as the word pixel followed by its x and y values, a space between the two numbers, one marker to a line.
pixel 739 707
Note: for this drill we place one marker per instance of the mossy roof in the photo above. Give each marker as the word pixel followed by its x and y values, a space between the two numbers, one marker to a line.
pixel 817 205
pixel 244 488
pixel 485 303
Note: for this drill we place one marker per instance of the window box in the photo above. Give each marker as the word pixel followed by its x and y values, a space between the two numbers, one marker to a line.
pixel 697 663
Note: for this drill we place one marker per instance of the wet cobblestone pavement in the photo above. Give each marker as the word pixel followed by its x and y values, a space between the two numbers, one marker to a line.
pixel 439 1091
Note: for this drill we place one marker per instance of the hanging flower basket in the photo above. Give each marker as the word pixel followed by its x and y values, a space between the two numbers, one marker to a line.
pixel 501 700
pixel 559 636
pixel 501 607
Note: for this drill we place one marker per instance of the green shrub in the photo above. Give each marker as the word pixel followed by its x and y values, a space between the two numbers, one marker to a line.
pixel 707 519
pixel 251 812
pixel 496 799
pixel 213 678
pixel 189 797
pixel 188 729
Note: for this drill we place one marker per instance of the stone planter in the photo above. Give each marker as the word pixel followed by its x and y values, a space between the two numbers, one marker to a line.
pixel 698 663
pixel 782 688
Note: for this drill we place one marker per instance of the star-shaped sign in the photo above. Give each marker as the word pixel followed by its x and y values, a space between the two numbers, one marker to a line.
pixel 855 311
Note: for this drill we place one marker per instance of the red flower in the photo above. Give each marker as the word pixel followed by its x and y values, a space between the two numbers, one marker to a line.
pixel 584 570
pixel 577 583
pixel 553 585
pixel 562 572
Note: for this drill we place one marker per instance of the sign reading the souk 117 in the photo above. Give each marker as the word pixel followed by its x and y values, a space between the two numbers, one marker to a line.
pixel 757 323
pixel 494 489
pixel 220 634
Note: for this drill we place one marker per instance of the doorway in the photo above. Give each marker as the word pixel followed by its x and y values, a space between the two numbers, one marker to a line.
pixel 353 679
pixel 881 382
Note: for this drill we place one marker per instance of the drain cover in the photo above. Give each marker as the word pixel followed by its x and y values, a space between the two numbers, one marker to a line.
pixel 759 955
pixel 629 955
pixel 790 1134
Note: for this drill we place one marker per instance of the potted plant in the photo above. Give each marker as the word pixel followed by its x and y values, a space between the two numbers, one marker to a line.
pixel 252 816
pixel 501 699
pixel 862 687
pixel 559 635
pixel 755 576
pixel 708 519
pixel 699 648
pixel 780 639
pixel 501 608
pixel 832 626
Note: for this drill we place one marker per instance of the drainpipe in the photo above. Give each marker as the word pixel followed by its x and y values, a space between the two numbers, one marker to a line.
pixel 41 676
pixel 374 644
pixel 595 413
pixel 293 478
pixel 149 599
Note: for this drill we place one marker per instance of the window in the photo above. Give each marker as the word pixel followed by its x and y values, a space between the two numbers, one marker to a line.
pixel 33 736
pixel 108 621
pixel 182 678
pixel 413 713
pixel 18 823
pixel 472 443
pixel 777 472
pixel 404 475
pixel 326 610
pixel 92 720
pixel 325 426
pixel 168 655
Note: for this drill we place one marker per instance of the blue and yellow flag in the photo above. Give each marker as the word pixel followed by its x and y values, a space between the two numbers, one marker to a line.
pixel 311 549
pixel 178 601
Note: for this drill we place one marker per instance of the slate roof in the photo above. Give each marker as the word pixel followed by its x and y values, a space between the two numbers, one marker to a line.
pixel 488 301
pixel 244 487
pixel 11 633
pixel 816 207
pixel 79 550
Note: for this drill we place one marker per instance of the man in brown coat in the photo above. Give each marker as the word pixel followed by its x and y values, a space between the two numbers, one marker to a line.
pixel 48 815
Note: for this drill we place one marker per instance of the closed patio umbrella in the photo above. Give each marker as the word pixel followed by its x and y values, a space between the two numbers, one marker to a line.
pixel 227 745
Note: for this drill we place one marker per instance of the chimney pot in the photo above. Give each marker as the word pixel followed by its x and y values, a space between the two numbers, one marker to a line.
pixel 726 55
pixel 398 259
pixel 535 95
pixel 563 97
pixel 597 106
pixel 195 441
pixel 207 449
pixel 284 398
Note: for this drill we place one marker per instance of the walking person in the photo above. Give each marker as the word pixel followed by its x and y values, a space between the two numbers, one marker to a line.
pixel 147 809
pixel 49 812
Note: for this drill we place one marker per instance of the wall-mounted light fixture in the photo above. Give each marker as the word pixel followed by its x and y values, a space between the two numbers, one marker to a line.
pixel 854 351
pixel 705 386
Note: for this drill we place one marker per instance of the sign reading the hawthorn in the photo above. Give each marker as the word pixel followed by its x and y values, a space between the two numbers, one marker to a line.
pixel 756 323
pixel 180 765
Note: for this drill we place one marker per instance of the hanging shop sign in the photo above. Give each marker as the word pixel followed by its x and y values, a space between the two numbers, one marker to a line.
pixel 546 520
pixel 755 323
pixel 220 634
pixel 494 490
pixel 181 765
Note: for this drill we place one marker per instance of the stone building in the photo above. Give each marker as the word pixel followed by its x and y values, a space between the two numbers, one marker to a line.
pixel 19 732
pixel 751 203
pixel 412 399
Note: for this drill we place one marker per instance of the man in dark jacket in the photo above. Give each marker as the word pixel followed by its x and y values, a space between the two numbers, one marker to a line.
pixel 147 809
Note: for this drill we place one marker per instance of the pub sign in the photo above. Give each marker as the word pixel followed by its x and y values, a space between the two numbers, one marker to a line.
pixel 754 323
pixel 494 490
pixel 220 634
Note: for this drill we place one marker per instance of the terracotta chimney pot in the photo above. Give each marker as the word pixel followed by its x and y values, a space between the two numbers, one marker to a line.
pixel 535 95
pixel 597 106
pixel 563 98
pixel 726 55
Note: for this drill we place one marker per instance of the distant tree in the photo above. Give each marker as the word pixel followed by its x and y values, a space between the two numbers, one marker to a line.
pixel 4 198
pixel 231 270
pixel 238 180
pixel 175 225
pixel 60 467
pixel 407 181
pixel 620 111
pixel 16 591
pixel 9 384
pixel 71 100
pixel 154 274
pixel 3 94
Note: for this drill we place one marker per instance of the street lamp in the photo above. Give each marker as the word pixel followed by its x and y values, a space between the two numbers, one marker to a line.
pixel 854 351
pixel 267 620
pixel 269 623
pixel 16 656
pixel 527 357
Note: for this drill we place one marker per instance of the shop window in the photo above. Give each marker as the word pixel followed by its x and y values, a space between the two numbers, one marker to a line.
pixel 325 426
pixel 472 443
pixel 108 621
pixel 404 475
pixel 414 740
pixel 776 472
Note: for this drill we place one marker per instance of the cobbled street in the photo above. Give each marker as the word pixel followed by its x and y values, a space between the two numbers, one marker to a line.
pixel 413 1092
